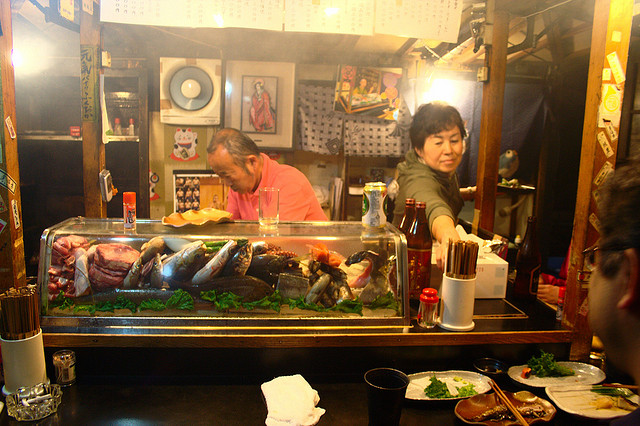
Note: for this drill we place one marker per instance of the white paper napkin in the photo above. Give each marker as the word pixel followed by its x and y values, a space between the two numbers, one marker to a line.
pixel 291 401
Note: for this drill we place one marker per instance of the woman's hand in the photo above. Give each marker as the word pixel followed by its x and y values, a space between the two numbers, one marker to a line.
pixel 548 293
pixel 443 230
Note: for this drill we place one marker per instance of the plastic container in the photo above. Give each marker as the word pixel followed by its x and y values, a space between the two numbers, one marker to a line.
pixel 129 210
pixel 428 311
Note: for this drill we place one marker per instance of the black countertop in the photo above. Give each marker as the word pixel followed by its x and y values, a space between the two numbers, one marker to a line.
pixel 230 404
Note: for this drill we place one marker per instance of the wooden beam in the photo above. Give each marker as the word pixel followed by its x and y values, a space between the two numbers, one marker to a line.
pixel 93 158
pixel 491 123
pixel 12 266
pixel 610 37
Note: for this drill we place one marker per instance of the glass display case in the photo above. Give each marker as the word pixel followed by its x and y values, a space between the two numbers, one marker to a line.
pixel 222 278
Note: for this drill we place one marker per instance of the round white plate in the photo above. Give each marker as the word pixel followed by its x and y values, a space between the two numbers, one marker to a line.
pixel 586 374
pixel 419 381
pixel 579 400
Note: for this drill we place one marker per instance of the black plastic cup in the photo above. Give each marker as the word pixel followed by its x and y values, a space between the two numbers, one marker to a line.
pixel 386 388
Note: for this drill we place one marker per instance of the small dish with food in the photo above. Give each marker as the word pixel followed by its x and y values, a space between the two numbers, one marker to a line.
pixel 490 367
pixel 446 385
pixel 487 409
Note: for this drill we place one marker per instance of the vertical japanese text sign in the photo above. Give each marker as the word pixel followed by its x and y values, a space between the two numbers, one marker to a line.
pixel 88 80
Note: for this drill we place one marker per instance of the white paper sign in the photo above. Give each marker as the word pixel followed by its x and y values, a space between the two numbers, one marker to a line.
pixel 432 19
pixel 330 16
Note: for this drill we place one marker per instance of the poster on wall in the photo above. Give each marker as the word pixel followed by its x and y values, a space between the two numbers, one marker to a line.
pixel 259 104
pixel 185 145
pixel 198 189
pixel 368 91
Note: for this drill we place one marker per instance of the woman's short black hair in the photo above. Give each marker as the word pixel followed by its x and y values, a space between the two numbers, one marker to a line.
pixel 433 118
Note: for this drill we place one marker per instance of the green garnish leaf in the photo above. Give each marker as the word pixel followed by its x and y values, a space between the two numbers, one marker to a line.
pixel 349 306
pixel 437 389
pixel 88 308
pixel 180 299
pixel 152 305
pixel 546 366
pixel 122 302
pixel 62 302
pixel 272 301
pixel 384 301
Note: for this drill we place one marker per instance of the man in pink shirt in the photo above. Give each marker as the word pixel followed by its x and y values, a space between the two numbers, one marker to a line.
pixel 236 159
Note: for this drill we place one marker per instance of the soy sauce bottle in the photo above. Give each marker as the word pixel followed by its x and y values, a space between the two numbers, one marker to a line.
pixel 528 262
pixel 409 215
pixel 419 252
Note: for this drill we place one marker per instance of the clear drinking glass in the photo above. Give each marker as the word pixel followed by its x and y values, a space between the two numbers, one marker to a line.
pixel 269 207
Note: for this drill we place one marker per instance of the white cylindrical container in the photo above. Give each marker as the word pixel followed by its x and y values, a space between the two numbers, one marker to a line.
pixel 457 297
pixel 23 363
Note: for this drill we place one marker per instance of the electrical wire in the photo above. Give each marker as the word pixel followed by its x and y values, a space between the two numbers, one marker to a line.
pixel 548 8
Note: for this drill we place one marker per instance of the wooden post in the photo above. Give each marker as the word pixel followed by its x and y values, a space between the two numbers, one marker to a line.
pixel 12 266
pixel 609 52
pixel 491 121
pixel 93 158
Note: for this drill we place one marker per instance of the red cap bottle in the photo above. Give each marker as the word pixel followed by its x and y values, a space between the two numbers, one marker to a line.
pixel 129 210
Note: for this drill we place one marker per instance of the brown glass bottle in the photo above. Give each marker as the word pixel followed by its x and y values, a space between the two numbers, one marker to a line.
pixel 528 261
pixel 419 252
pixel 409 215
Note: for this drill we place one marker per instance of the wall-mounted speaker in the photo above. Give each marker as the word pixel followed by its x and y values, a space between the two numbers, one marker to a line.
pixel 190 91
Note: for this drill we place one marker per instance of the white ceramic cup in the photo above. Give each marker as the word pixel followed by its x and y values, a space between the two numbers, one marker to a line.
pixel 457 298
pixel 23 363
pixel 269 207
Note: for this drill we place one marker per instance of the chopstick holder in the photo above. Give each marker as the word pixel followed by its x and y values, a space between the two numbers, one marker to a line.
pixel 507 402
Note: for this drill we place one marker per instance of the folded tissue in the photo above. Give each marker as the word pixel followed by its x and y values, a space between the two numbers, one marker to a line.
pixel 291 401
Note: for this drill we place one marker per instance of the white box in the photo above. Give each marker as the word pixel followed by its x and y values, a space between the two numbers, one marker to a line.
pixel 491 276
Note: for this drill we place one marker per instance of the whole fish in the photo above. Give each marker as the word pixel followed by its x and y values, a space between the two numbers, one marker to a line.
pixel 133 276
pixel 136 296
pixel 214 266
pixel 268 267
pixel 248 287
pixel 182 265
pixel 317 289
pixel 156 272
pixel 152 247
pixel 238 265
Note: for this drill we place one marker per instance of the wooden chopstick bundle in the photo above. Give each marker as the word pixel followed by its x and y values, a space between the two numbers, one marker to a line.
pixel 19 313
pixel 462 259
pixel 507 402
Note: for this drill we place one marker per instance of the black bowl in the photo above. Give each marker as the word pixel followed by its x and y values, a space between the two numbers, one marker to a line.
pixel 490 367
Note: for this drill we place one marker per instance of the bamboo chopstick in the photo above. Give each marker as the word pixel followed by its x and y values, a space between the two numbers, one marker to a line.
pixel 461 260
pixel 19 315
pixel 613 385
pixel 503 398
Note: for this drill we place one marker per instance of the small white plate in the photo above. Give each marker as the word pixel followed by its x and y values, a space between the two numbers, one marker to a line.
pixel 579 400
pixel 419 381
pixel 586 374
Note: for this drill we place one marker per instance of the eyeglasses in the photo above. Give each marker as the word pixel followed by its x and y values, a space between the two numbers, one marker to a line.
pixel 590 253
pixel 590 257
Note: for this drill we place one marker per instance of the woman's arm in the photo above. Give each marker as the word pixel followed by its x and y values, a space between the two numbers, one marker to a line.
pixel 443 229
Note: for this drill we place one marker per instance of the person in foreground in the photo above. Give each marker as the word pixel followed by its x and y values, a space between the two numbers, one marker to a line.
pixel 429 171
pixel 614 291
pixel 236 159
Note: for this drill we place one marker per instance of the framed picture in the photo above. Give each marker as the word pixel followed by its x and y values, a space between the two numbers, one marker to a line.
pixel 259 113
pixel 198 189
pixel 248 86
pixel 368 91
